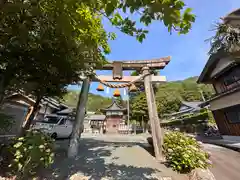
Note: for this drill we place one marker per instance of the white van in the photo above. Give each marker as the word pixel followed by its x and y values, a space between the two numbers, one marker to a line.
pixel 56 126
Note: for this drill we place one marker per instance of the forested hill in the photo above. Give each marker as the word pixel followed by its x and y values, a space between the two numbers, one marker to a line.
pixel 187 90
pixel 94 101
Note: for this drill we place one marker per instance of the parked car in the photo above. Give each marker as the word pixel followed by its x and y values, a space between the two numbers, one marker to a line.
pixel 56 126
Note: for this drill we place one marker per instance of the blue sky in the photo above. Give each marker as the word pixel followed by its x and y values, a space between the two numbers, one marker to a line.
pixel 188 52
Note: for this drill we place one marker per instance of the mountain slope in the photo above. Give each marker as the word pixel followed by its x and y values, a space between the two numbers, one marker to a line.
pixel 95 102
pixel 187 90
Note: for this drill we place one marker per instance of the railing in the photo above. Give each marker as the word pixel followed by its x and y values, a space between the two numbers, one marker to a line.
pixel 124 129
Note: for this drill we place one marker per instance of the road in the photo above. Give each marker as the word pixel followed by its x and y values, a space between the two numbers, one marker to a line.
pixel 226 162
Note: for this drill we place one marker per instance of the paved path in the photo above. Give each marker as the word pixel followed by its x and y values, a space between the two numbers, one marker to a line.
pixel 112 157
pixel 226 162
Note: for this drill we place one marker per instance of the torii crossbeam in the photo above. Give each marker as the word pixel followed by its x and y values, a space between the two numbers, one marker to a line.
pixel 145 66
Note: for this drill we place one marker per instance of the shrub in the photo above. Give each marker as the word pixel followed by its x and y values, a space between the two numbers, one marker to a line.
pixel 193 119
pixel 211 120
pixel 31 152
pixel 184 153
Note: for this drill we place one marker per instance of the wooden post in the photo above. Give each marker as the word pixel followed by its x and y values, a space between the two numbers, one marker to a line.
pixel 79 120
pixel 158 130
pixel 151 109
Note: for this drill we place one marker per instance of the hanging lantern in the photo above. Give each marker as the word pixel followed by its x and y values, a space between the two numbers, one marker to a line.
pixel 100 87
pixel 132 88
pixel 116 93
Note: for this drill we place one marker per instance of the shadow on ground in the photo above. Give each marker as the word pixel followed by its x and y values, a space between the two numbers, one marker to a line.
pixel 95 161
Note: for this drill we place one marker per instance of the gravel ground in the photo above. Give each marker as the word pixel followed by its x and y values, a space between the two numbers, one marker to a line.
pixel 118 157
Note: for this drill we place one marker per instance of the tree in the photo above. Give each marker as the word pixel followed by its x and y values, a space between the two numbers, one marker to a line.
pixel 170 12
pixel 139 109
pixel 44 39
pixel 34 35
pixel 167 104
pixel 119 100
pixel 23 25
pixel 47 55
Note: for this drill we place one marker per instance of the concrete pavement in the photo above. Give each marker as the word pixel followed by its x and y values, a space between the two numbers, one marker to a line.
pixel 226 162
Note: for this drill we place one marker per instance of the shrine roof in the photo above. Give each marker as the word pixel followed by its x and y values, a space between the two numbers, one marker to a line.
pixel 114 107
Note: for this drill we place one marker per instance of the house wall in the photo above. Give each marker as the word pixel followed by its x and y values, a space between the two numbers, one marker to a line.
pixel 225 127
pixel 225 101
pixel 18 113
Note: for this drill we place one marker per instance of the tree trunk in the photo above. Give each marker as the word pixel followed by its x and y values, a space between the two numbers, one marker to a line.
pixel 142 123
pixel 79 120
pixel 2 90
pixel 135 128
pixel 29 121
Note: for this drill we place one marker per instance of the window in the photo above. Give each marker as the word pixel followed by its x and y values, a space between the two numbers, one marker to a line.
pixel 63 121
pixel 51 119
pixel 232 76
pixel 232 114
pixel 230 79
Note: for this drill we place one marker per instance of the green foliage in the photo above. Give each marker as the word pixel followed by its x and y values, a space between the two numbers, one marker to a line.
pixel 139 108
pixel 211 120
pixel 95 102
pixel 226 38
pixel 170 94
pixel 192 119
pixel 184 153
pixel 119 100
pixel 168 104
pixel 6 122
pixel 45 47
pixel 170 12
pixel 31 152
pixel 48 44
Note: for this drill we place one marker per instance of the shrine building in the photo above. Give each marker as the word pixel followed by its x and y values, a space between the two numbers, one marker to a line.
pixel 115 117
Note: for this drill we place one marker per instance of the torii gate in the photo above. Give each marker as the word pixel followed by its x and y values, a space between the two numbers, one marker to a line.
pixel 145 66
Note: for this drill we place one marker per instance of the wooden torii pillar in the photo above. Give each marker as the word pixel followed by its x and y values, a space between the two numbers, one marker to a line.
pixel 145 66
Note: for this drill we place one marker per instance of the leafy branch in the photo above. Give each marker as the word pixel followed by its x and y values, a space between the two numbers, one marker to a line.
pixel 227 38
pixel 172 13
